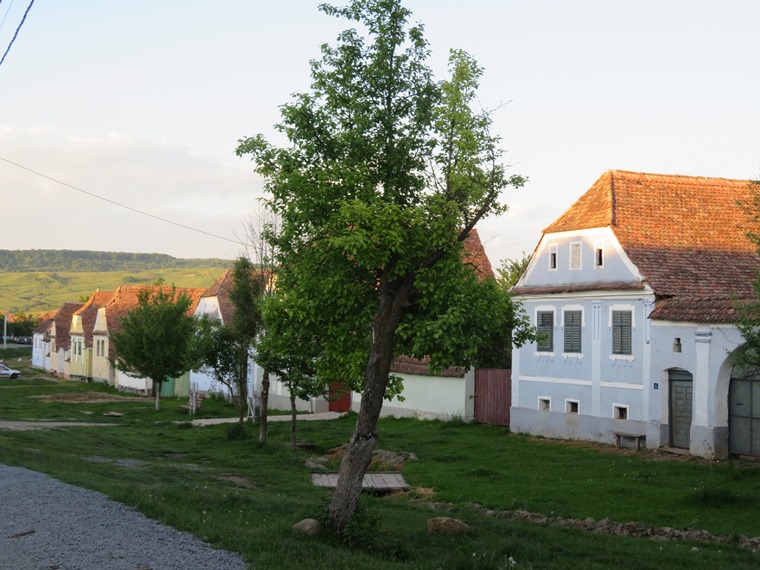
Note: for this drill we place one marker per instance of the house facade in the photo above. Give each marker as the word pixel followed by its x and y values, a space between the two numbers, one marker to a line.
pixel 632 292
pixel 82 325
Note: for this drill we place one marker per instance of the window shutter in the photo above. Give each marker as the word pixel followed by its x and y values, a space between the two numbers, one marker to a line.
pixel 545 331
pixel 621 332
pixel 572 331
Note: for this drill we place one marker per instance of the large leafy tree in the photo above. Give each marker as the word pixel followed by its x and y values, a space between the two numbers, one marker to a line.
pixel 386 175
pixel 748 310
pixel 156 337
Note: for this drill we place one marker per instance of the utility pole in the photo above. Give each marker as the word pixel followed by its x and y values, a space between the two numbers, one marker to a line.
pixel 5 330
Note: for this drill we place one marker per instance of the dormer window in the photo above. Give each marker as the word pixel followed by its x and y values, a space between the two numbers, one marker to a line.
pixel 575 255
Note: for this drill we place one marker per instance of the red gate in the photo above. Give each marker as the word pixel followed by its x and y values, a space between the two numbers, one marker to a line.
pixel 340 398
pixel 493 395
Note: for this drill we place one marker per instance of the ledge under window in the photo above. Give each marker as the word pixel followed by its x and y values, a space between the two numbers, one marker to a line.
pixel 572 355
pixel 622 357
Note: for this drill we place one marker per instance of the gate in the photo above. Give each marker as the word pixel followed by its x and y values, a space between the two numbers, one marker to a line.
pixel 681 388
pixel 744 416
pixel 493 395
pixel 339 398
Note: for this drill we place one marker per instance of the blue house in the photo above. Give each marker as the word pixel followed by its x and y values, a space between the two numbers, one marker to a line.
pixel 632 291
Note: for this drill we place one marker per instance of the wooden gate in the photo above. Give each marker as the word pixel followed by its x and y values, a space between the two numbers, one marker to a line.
pixel 339 398
pixel 744 416
pixel 493 395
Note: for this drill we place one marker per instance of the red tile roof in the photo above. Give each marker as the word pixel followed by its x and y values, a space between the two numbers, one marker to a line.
pixel 46 321
pixel 221 289
pixel 125 299
pixel 421 367
pixel 62 320
pixel 475 254
pixel 89 313
pixel 685 234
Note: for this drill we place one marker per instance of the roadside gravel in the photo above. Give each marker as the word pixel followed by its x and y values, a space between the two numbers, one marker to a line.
pixel 49 525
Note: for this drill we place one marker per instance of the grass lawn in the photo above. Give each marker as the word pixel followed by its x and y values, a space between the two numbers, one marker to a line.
pixel 242 496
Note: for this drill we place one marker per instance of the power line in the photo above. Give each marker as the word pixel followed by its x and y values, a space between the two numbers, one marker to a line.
pixel 141 212
pixel 6 13
pixel 13 39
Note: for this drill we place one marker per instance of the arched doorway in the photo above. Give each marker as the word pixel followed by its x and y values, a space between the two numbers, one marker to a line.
pixel 744 412
pixel 681 384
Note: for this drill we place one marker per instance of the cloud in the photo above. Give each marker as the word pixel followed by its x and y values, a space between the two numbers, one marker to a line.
pixel 158 177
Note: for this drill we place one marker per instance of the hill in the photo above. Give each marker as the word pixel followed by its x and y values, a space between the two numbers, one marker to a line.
pixel 35 281
pixel 23 260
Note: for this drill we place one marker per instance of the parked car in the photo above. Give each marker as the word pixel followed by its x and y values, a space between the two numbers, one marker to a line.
pixel 6 372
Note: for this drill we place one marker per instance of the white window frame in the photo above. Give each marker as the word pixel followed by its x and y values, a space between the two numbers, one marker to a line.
pixel 573 246
pixel 553 256
pixel 623 308
pixel 547 309
pixel 583 328
pixel 544 404
pixel 568 406
pixel 599 247
pixel 616 407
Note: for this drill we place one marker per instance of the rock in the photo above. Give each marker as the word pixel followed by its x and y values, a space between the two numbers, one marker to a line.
pixel 316 464
pixel 309 527
pixel 447 526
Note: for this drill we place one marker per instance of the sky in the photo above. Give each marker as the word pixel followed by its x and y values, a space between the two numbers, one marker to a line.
pixel 142 103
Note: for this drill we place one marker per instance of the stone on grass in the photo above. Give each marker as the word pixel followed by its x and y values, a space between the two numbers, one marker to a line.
pixel 447 526
pixel 309 527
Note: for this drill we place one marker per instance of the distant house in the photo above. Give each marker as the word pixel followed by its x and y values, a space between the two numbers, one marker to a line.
pixel 632 292
pixel 41 341
pixel 51 349
pixel 82 325
pixel 108 321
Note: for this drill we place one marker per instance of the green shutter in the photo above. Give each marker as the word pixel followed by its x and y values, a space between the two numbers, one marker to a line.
pixel 572 331
pixel 545 331
pixel 621 332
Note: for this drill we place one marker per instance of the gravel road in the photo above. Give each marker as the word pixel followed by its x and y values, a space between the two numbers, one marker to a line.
pixel 49 525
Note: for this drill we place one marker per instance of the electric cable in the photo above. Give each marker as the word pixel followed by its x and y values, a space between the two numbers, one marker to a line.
pixel 142 212
pixel 13 39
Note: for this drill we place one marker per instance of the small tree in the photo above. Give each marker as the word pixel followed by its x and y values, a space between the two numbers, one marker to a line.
pixel 155 337
pixel 224 348
pixel 289 351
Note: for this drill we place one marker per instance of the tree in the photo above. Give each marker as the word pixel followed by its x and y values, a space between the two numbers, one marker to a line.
pixel 386 175
pixel 748 310
pixel 261 224
pixel 224 348
pixel 289 351
pixel 511 270
pixel 155 337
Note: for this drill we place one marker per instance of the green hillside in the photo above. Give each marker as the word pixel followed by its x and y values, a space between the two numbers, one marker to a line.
pixel 38 291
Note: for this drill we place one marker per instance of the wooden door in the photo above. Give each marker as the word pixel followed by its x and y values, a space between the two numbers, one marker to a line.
pixel 493 395
pixel 681 390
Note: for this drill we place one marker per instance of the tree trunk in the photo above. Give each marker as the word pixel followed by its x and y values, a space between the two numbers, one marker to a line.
pixel 157 391
pixel 264 405
pixel 243 389
pixel 293 415
pixel 359 451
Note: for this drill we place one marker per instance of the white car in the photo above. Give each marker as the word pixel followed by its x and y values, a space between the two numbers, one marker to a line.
pixel 6 372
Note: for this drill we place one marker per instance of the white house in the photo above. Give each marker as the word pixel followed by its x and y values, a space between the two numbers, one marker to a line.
pixel 632 291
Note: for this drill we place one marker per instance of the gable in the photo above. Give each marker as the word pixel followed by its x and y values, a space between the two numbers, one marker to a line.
pixel 686 235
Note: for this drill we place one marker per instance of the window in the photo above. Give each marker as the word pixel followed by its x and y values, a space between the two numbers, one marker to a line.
pixel 553 257
pixel 545 404
pixel 620 412
pixel 621 332
pixel 598 254
pixel 545 331
pixel 572 406
pixel 573 321
pixel 575 255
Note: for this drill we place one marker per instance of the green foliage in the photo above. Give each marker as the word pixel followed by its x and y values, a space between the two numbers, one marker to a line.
pixel 156 337
pixel 511 270
pixel 748 310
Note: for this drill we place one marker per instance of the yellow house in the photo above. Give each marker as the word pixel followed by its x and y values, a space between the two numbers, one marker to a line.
pixel 82 325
